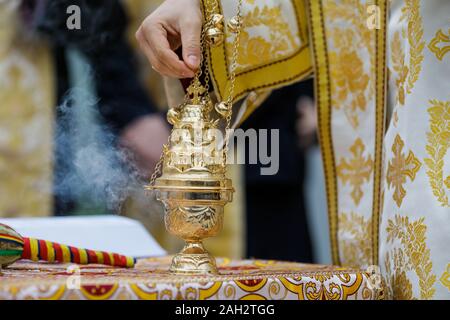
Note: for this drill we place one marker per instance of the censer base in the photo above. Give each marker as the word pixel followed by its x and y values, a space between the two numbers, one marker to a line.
pixel 193 259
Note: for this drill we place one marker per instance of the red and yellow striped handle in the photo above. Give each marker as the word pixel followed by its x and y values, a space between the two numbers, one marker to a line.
pixel 42 250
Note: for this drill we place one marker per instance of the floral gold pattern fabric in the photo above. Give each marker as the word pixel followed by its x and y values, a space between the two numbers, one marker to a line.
pixel 408 73
pixel 255 50
pixel 26 117
pixel 274 40
pixel 415 226
pixel 399 168
pixel 356 170
pixel 413 254
pixel 438 144
pixel 350 90
pixel 358 228
pixel 440 44
pixel 445 278
pixel 399 285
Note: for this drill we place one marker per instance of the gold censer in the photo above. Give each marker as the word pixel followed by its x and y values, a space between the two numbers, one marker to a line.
pixel 193 185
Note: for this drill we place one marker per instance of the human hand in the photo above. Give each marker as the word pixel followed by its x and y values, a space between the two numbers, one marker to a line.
pixel 145 138
pixel 306 122
pixel 173 24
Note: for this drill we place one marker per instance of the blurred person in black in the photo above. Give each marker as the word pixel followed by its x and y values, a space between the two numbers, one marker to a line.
pixel 276 223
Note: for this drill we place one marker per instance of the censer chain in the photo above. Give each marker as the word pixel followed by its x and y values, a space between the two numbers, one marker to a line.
pixel 228 101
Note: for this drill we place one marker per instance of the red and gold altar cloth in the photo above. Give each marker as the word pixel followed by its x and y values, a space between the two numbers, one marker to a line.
pixel 150 280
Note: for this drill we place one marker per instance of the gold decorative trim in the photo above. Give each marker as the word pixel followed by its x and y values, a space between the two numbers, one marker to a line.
pixel 324 112
pixel 380 118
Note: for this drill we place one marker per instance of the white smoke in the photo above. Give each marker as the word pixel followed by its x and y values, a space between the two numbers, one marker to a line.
pixel 91 167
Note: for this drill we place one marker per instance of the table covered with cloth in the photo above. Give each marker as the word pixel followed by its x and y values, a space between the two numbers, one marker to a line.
pixel 150 280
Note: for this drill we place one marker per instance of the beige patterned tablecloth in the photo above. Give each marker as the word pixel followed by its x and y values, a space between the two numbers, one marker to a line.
pixel 245 279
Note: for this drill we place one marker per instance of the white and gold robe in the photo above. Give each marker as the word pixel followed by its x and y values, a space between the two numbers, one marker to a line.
pixel 26 120
pixel 382 75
